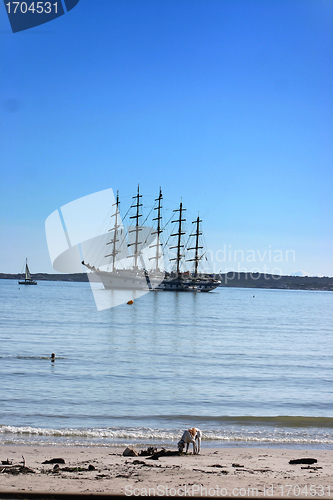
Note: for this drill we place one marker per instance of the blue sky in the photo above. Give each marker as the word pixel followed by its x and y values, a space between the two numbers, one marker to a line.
pixel 227 104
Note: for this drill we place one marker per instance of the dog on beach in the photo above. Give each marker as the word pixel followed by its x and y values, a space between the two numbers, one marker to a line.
pixel 190 436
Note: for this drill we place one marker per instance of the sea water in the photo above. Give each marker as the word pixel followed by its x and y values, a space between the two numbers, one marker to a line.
pixel 246 366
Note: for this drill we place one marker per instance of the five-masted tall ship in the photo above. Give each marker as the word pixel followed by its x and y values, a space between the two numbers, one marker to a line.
pixel 146 269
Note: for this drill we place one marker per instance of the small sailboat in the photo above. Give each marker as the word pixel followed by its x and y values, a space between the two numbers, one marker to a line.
pixel 28 279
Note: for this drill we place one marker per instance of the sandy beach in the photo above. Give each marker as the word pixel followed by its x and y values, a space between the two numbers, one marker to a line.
pixel 223 472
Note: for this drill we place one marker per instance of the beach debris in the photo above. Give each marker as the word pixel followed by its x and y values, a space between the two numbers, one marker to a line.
pixel 236 465
pixel 205 471
pixel 54 461
pixel 76 469
pixel 6 462
pixel 57 469
pixel 148 452
pixel 225 472
pixel 8 468
pixel 130 452
pixel 164 453
pixel 303 461
pixel 15 470
pixel 153 454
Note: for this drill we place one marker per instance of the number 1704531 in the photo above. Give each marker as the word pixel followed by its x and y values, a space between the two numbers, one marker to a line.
pixel 312 490
pixel 32 7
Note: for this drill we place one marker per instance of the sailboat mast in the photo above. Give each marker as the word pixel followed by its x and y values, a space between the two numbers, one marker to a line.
pixel 197 247
pixel 137 228
pixel 114 240
pixel 114 250
pixel 179 234
pixel 159 230
pixel 27 273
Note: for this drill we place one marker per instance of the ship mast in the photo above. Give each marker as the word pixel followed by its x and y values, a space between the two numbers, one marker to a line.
pixel 114 239
pixel 159 230
pixel 197 258
pixel 179 233
pixel 137 228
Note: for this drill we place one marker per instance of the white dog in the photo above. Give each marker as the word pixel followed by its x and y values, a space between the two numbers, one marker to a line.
pixel 188 437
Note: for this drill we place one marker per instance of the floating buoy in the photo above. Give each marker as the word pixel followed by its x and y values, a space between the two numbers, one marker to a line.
pixel 130 302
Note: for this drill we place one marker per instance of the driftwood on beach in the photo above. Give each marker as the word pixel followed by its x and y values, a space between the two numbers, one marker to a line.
pixel 164 453
pixel 15 470
pixel 151 453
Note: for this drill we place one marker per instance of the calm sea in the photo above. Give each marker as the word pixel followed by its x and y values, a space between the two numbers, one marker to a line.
pixel 245 366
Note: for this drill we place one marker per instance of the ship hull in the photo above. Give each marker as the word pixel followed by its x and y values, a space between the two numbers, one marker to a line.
pixel 128 280
pixel 187 285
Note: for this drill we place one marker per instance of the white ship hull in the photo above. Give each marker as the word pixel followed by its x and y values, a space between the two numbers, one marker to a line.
pixel 140 280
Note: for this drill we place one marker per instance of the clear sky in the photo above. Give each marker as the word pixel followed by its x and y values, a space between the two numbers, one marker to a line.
pixel 227 104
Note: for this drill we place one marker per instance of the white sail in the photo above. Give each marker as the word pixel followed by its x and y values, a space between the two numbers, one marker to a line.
pixel 27 272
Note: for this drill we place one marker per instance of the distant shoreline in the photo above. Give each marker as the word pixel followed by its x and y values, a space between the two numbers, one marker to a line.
pixel 232 279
